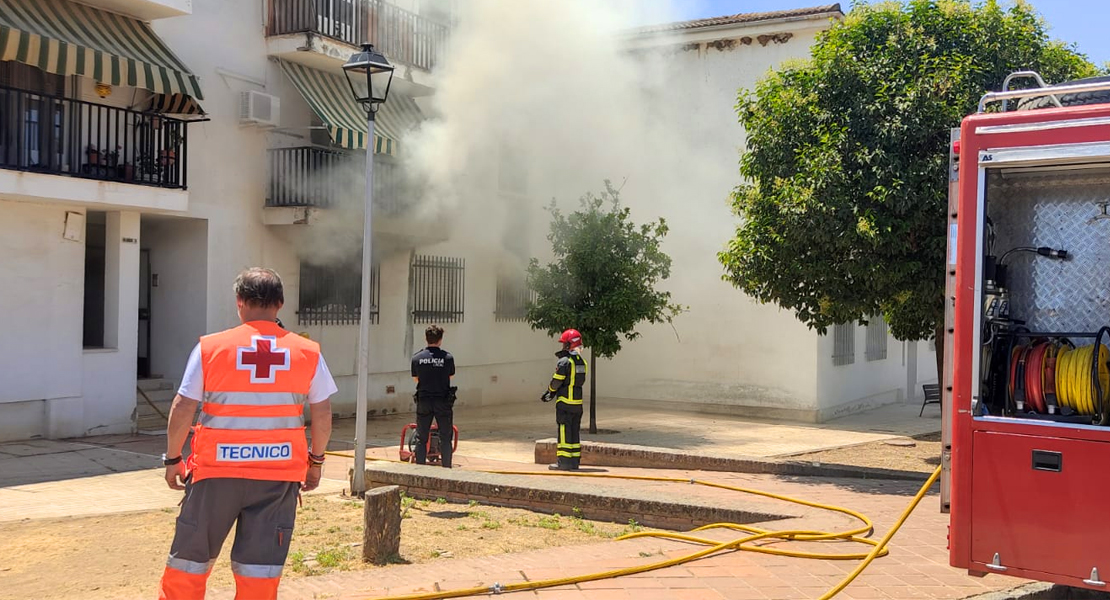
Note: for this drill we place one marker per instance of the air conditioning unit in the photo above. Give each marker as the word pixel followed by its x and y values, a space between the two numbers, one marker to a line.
pixel 256 108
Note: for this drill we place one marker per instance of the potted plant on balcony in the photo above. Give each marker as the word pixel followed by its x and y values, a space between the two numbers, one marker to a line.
pixel 169 153
pixel 92 155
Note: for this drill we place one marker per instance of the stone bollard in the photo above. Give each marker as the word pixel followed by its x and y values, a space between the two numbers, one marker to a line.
pixel 381 527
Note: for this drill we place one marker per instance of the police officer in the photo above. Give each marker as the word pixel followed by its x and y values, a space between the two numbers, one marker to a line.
pixel 432 370
pixel 566 389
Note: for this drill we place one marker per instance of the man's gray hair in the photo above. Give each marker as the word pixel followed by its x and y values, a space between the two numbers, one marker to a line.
pixel 260 287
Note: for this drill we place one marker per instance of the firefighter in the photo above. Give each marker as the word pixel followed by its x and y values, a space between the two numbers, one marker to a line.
pixel 566 389
pixel 250 459
pixel 432 370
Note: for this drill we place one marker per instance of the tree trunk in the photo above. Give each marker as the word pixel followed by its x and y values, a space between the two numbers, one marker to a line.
pixel 381 525
pixel 939 337
pixel 593 393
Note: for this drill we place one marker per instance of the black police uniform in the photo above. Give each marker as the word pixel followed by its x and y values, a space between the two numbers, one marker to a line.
pixel 435 398
pixel 566 387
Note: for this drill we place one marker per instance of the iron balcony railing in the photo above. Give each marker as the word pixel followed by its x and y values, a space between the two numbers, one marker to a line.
pixel 62 136
pixel 401 35
pixel 323 177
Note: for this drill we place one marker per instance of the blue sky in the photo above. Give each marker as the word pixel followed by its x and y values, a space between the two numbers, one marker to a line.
pixel 1082 22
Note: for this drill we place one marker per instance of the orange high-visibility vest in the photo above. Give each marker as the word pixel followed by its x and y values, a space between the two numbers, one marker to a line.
pixel 251 425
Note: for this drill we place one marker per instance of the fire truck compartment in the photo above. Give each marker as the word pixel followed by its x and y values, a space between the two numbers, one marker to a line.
pixel 1017 526
pixel 1054 301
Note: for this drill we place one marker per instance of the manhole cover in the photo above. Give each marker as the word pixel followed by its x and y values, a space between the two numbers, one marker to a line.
pixel 901 443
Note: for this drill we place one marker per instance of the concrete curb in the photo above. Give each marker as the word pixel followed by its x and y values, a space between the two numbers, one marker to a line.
pixel 1042 591
pixel 589 498
pixel 628 455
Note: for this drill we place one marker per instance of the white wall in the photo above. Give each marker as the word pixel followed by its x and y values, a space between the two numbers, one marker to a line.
pixel 108 395
pixel 862 385
pixel 730 352
pixel 49 385
pixel 42 279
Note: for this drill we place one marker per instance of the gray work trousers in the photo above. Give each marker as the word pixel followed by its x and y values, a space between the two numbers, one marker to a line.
pixel 265 512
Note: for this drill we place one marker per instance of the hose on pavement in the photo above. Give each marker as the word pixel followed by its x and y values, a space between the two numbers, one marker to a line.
pixel 745 543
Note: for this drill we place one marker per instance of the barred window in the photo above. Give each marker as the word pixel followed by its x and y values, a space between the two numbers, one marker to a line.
pixel 438 289
pixel 876 338
pixel 513 298
pixel 332 294
pixel 844 344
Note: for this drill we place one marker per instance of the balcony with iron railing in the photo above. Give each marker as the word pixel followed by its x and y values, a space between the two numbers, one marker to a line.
pixel 405 37
pixel 304 180
pixel 311 176
pixel 61 136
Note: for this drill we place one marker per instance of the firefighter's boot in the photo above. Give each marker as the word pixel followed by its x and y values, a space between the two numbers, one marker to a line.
pixel 564 464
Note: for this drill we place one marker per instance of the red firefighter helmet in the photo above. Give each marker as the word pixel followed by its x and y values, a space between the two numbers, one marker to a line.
pixel 571 338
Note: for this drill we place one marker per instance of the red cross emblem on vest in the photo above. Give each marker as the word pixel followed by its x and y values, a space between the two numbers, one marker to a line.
pixel 262 358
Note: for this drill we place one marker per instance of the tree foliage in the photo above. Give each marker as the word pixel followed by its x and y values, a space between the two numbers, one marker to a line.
pixel 602 278
pixel 843 209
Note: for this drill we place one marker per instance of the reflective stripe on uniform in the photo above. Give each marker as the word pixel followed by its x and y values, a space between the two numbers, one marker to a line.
pixel 254 398
pixel 256 571
pixel 189 566
pixel 568 400
pixel 236 410
pixel 251 423
pixel 558 376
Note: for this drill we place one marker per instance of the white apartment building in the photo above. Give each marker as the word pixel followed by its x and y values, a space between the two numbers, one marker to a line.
pixel 151 149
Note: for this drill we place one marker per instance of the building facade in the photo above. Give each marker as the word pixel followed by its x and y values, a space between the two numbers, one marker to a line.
pixel 143 164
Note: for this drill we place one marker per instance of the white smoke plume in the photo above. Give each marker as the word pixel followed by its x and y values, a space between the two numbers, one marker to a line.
pixel 552 92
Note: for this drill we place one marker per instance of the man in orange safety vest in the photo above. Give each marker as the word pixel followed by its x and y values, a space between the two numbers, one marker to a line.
pixel 250 459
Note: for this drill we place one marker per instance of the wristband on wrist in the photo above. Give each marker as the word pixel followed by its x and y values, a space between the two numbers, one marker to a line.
pixel 315 459
pixel 170 461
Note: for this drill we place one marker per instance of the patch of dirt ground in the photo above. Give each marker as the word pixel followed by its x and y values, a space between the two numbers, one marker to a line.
pixel 923 456
pixel 122 556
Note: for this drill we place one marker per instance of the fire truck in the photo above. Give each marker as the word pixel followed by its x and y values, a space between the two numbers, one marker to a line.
pixel 1026 398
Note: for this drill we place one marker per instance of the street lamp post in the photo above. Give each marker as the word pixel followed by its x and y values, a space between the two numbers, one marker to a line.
pixel 369 74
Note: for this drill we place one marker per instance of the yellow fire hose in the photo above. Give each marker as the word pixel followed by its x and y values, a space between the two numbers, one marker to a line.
pixel 712 546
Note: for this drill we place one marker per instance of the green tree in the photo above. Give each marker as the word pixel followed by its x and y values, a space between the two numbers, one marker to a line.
pixel 845 193
pixel 602 278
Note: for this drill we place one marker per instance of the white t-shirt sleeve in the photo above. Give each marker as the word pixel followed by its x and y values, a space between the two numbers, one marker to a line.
pixel 322 386
pixel 192 382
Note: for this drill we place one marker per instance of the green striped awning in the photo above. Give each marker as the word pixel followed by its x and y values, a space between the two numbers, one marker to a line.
pixel 329 96
pixel 66 38
pixel 174 104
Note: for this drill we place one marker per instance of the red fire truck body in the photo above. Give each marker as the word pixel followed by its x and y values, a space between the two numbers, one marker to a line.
pixel 1027 395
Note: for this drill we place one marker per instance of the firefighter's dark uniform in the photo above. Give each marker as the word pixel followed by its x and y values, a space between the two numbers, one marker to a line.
pixel 566 383
pixel 435 398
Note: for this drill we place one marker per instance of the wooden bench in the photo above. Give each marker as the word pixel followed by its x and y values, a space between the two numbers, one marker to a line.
pixel 932 396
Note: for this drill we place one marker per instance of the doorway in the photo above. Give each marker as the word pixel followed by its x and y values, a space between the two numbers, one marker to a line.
pixel 145 283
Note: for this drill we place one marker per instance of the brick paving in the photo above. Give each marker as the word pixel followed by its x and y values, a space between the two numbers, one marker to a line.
pixel 99 476
pixel 916 567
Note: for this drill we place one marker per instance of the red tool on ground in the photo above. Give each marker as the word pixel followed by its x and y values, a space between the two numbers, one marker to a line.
pixel 408 443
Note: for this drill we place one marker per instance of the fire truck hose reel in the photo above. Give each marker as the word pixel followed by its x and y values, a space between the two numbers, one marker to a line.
pixel 1052 377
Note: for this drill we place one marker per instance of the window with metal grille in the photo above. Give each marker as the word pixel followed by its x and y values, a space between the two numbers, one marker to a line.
pixel 876 338
pixel 844 344
pixel 438 289
pixel 513 298
pixel 332 294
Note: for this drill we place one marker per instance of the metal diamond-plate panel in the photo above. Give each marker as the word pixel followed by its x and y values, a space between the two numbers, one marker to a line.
pixel 1057 211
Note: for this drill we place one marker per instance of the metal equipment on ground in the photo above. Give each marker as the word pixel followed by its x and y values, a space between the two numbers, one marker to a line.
pixel 407 451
